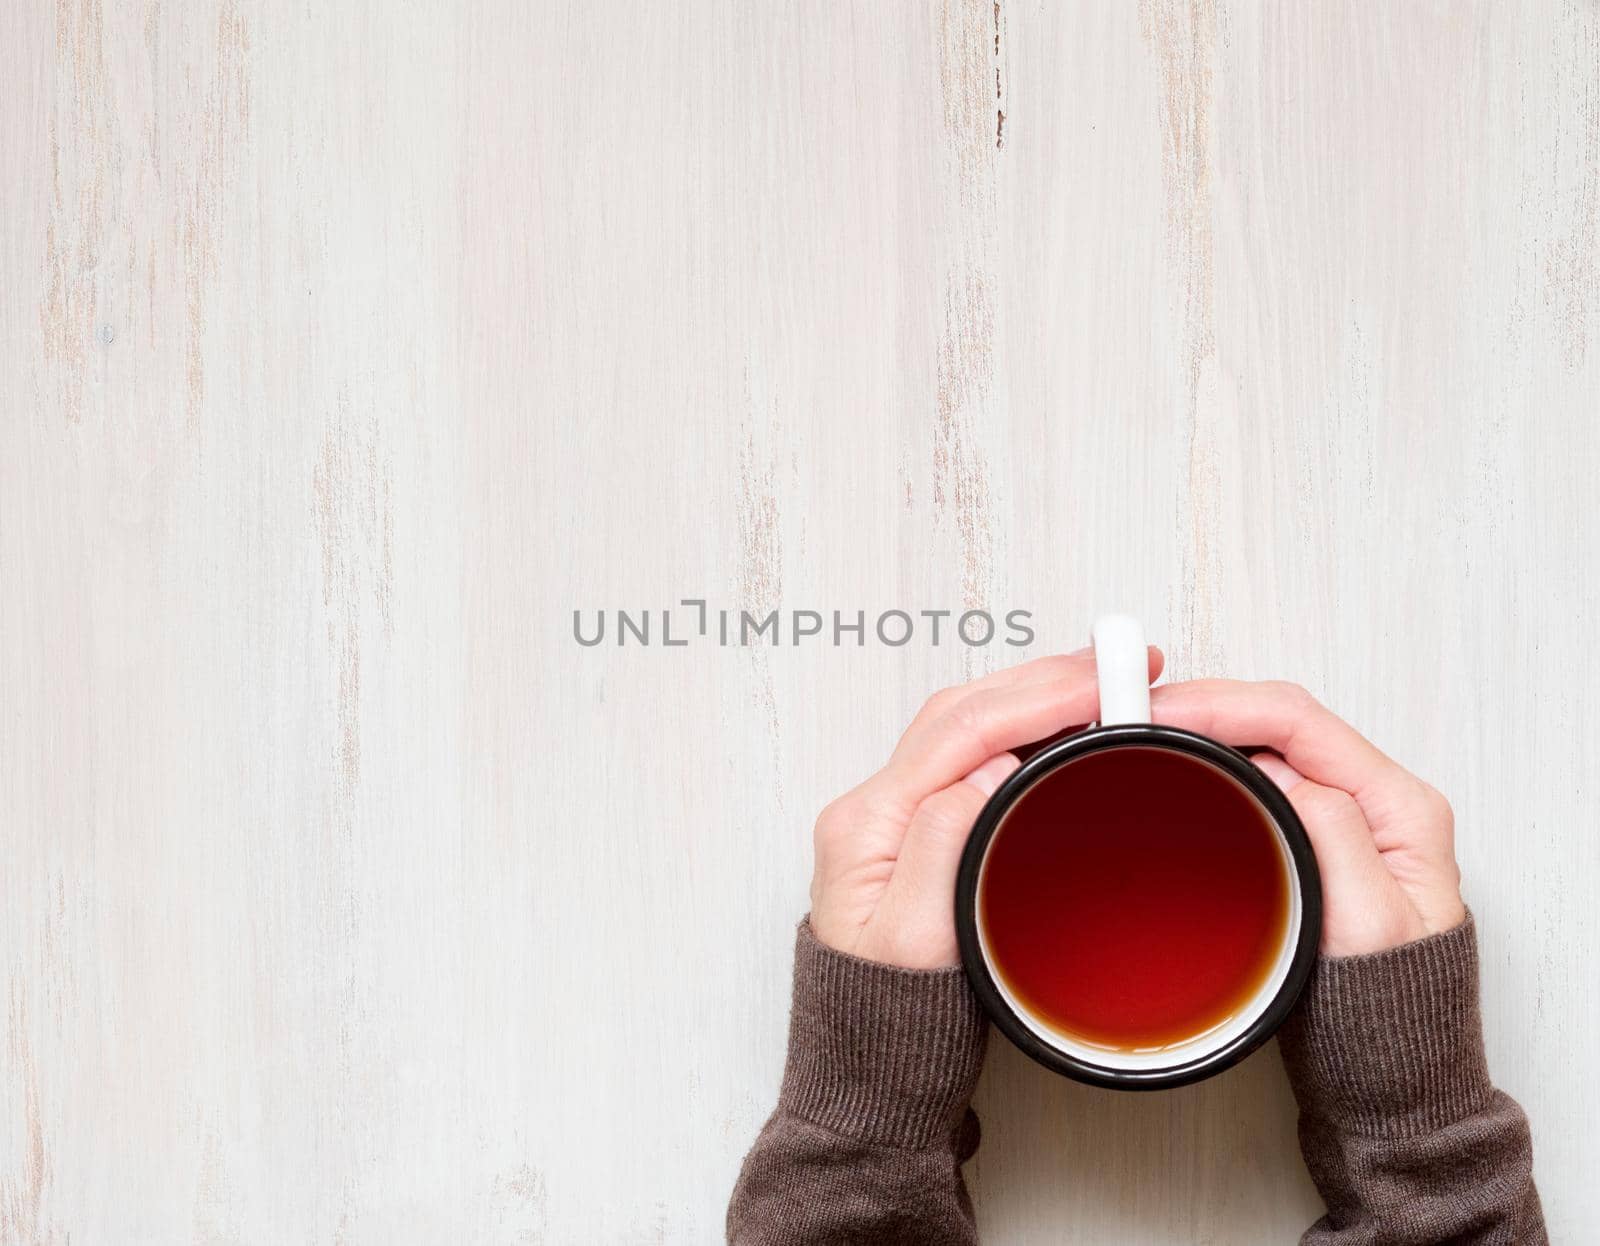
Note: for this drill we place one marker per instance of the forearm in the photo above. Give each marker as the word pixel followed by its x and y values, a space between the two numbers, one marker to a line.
pixel 873 1122
pixel 1402 1130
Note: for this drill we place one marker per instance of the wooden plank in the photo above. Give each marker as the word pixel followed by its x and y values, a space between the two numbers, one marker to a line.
pixel 348 898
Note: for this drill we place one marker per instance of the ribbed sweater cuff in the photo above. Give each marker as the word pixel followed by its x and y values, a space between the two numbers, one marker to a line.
pixel 1391 1044
pixel 883 1055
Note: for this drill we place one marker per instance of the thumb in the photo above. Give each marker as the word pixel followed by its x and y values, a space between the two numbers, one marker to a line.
pixel 1359 894
pixel 937 835
pixel 1334 822
pixel 919 897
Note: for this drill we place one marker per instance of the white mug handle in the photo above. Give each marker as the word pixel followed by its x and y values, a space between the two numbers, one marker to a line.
pixel 1122 666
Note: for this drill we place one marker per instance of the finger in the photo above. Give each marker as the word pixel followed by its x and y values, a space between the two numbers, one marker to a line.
pixel 1334 823
pixel 1278 770
pixel 988 777
pixel 1312 739
pixel 990 721
pixel 1363 908
pixel 925 873
pixel 1064 668
pixel 1039 670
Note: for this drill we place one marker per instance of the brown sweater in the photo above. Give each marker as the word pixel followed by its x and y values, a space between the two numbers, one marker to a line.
pixel 1402 1131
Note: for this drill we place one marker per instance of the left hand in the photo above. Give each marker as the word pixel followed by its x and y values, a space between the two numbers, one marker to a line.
pixel 887 852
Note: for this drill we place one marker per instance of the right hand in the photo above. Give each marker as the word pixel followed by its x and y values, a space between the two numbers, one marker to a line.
pixel 1384 839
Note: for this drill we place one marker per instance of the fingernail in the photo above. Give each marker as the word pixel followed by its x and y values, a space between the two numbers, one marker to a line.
pixel 1282 774
pixel 987 777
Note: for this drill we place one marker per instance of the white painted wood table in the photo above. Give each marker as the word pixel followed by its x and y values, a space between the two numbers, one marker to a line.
pixel 348 349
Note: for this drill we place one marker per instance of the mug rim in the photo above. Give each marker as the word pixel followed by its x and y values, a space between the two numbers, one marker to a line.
pixel 1303 861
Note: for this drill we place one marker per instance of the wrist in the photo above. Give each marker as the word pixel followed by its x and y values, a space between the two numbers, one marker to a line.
pixel 885 1055
pixel 1443 913
pixel 1390 1043
pixel 1365 923
pixel 914 940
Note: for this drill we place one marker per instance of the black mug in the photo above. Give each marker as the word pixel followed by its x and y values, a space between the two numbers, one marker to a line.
pixel 1123 676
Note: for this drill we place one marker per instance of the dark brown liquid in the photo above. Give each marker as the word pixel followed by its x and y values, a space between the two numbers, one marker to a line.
pixel 1135 897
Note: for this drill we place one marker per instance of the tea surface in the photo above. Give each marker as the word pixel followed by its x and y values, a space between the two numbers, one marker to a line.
pixel 1134 898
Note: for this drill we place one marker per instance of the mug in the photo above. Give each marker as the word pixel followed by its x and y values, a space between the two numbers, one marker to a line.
pixel 1122 671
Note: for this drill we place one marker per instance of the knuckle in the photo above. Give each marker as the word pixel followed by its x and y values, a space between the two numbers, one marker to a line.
pixel 875 803
pixel 1438 808
pixel 1061 665
pixel 1294 694
pixel 872 803
pixel 835 819
pixel 966 718
pixel 934 811
pixel 946 812
pixel 1324 802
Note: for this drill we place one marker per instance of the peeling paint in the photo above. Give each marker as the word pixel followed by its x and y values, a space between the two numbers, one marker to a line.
pixel 352 507
pixel 970 49
pixel 84 157
pixel 216 1215
pixel 22 1193
pixel 1572 263
pixel 223 124
pixel 999 86
pixel 95 150
pixel 760 542
pixel 960 473
pixel 761 576
pixel 1182 35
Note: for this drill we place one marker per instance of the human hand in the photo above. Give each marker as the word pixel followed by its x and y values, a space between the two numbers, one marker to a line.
pixel 1384 839
pixel 888 850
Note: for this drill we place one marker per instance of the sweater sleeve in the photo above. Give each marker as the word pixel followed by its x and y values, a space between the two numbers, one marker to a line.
pixel 1403 1133
pixel 872 1123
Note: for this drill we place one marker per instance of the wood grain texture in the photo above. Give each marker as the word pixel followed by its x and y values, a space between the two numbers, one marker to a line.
pixel 346 354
